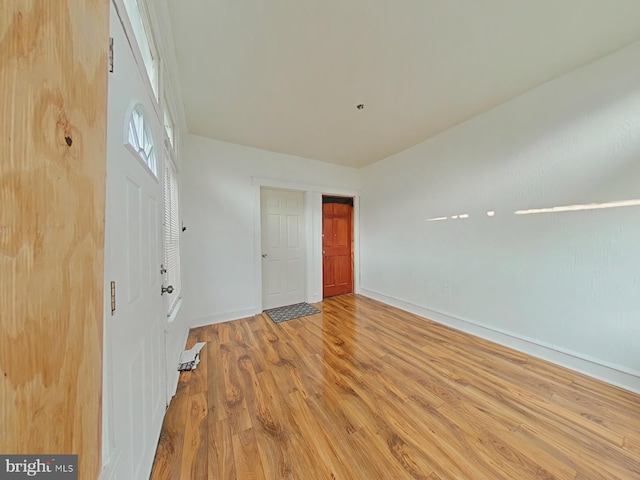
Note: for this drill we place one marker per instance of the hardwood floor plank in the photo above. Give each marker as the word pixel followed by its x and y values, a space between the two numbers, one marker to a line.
pixel 395 419
pixel 632 444
pixel 619 423
pixel 594 459
pixel 354 457
pixel 220 456
pixel 320 452
pixel 184 383
pixel 247 457
pixel 405 462
pixel 232 394
pixel 616 395
pixel 366 391
pixel 194 450
pixel 168 460
pixel 216 400
pixel 268 425
pixel 199 381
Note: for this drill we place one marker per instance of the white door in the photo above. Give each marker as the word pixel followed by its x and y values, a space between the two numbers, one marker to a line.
pixel 134 399
pixel 135 330
pixel 283 257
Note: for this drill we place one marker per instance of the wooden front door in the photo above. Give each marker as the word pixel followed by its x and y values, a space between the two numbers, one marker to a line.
pixel 337 247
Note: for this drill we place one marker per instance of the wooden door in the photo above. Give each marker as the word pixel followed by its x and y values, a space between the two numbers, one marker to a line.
pixel 337 248
pixel 283 256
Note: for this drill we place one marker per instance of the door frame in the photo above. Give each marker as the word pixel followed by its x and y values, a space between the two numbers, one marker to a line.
pixel 313 235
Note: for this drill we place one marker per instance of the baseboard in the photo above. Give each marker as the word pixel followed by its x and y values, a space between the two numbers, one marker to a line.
pixel 223 317
pixel 315 298
pixel 616 375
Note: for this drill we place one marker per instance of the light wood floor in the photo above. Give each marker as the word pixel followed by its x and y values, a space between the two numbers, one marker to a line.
pixel 365 391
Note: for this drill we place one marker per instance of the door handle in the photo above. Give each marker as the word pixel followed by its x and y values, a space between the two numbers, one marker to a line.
pixel 167 289
pixel 264 255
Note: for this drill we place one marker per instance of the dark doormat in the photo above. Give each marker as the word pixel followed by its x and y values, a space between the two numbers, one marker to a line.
pixel 282 314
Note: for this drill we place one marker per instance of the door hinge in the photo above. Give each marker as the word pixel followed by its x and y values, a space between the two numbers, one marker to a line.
pixel 113 297
pixel 110 54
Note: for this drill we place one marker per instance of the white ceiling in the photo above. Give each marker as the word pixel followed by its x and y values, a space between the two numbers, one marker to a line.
pixel 286 75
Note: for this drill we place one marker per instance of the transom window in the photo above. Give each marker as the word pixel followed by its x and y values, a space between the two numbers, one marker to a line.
pixel 140 139
pixel 138 16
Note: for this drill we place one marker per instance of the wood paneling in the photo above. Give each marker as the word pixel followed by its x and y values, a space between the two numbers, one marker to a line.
pixel 53 94
pixel 364 390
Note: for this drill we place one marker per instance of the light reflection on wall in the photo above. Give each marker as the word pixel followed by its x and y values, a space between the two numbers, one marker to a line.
pixel 453 217
pixel 566 208
pixel 575 208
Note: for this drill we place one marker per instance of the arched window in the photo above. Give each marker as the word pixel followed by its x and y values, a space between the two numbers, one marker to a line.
pixel 140 139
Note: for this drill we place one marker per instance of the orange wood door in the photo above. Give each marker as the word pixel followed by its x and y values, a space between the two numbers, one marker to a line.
pixel 337 234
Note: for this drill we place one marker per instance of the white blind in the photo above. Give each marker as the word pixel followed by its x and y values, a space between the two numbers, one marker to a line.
pixel 171 236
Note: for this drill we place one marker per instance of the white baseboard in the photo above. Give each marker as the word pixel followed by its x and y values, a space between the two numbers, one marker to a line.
pixel 614 374
pixel 315 298
pixel 223 317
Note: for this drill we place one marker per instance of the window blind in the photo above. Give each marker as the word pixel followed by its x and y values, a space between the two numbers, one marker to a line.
pixel 171 236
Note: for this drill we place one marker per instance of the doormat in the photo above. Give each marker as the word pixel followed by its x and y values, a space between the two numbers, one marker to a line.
pixel 282 314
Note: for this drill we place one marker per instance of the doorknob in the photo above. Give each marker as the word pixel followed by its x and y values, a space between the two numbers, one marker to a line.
pixel 264 255
pixel 168 289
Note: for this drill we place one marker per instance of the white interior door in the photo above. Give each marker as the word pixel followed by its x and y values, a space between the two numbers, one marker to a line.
pixel 283 254
pixel 135 367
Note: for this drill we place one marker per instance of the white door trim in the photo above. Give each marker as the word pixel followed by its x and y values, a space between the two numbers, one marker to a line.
pixel 313 234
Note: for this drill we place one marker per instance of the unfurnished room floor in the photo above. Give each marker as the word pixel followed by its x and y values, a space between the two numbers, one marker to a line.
pixel 366 391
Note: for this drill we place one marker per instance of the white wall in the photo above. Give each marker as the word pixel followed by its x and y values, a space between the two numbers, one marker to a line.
pixel 552 283
pixel 220 209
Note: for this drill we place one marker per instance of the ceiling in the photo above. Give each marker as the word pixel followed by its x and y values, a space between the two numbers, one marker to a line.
pixel 287 75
